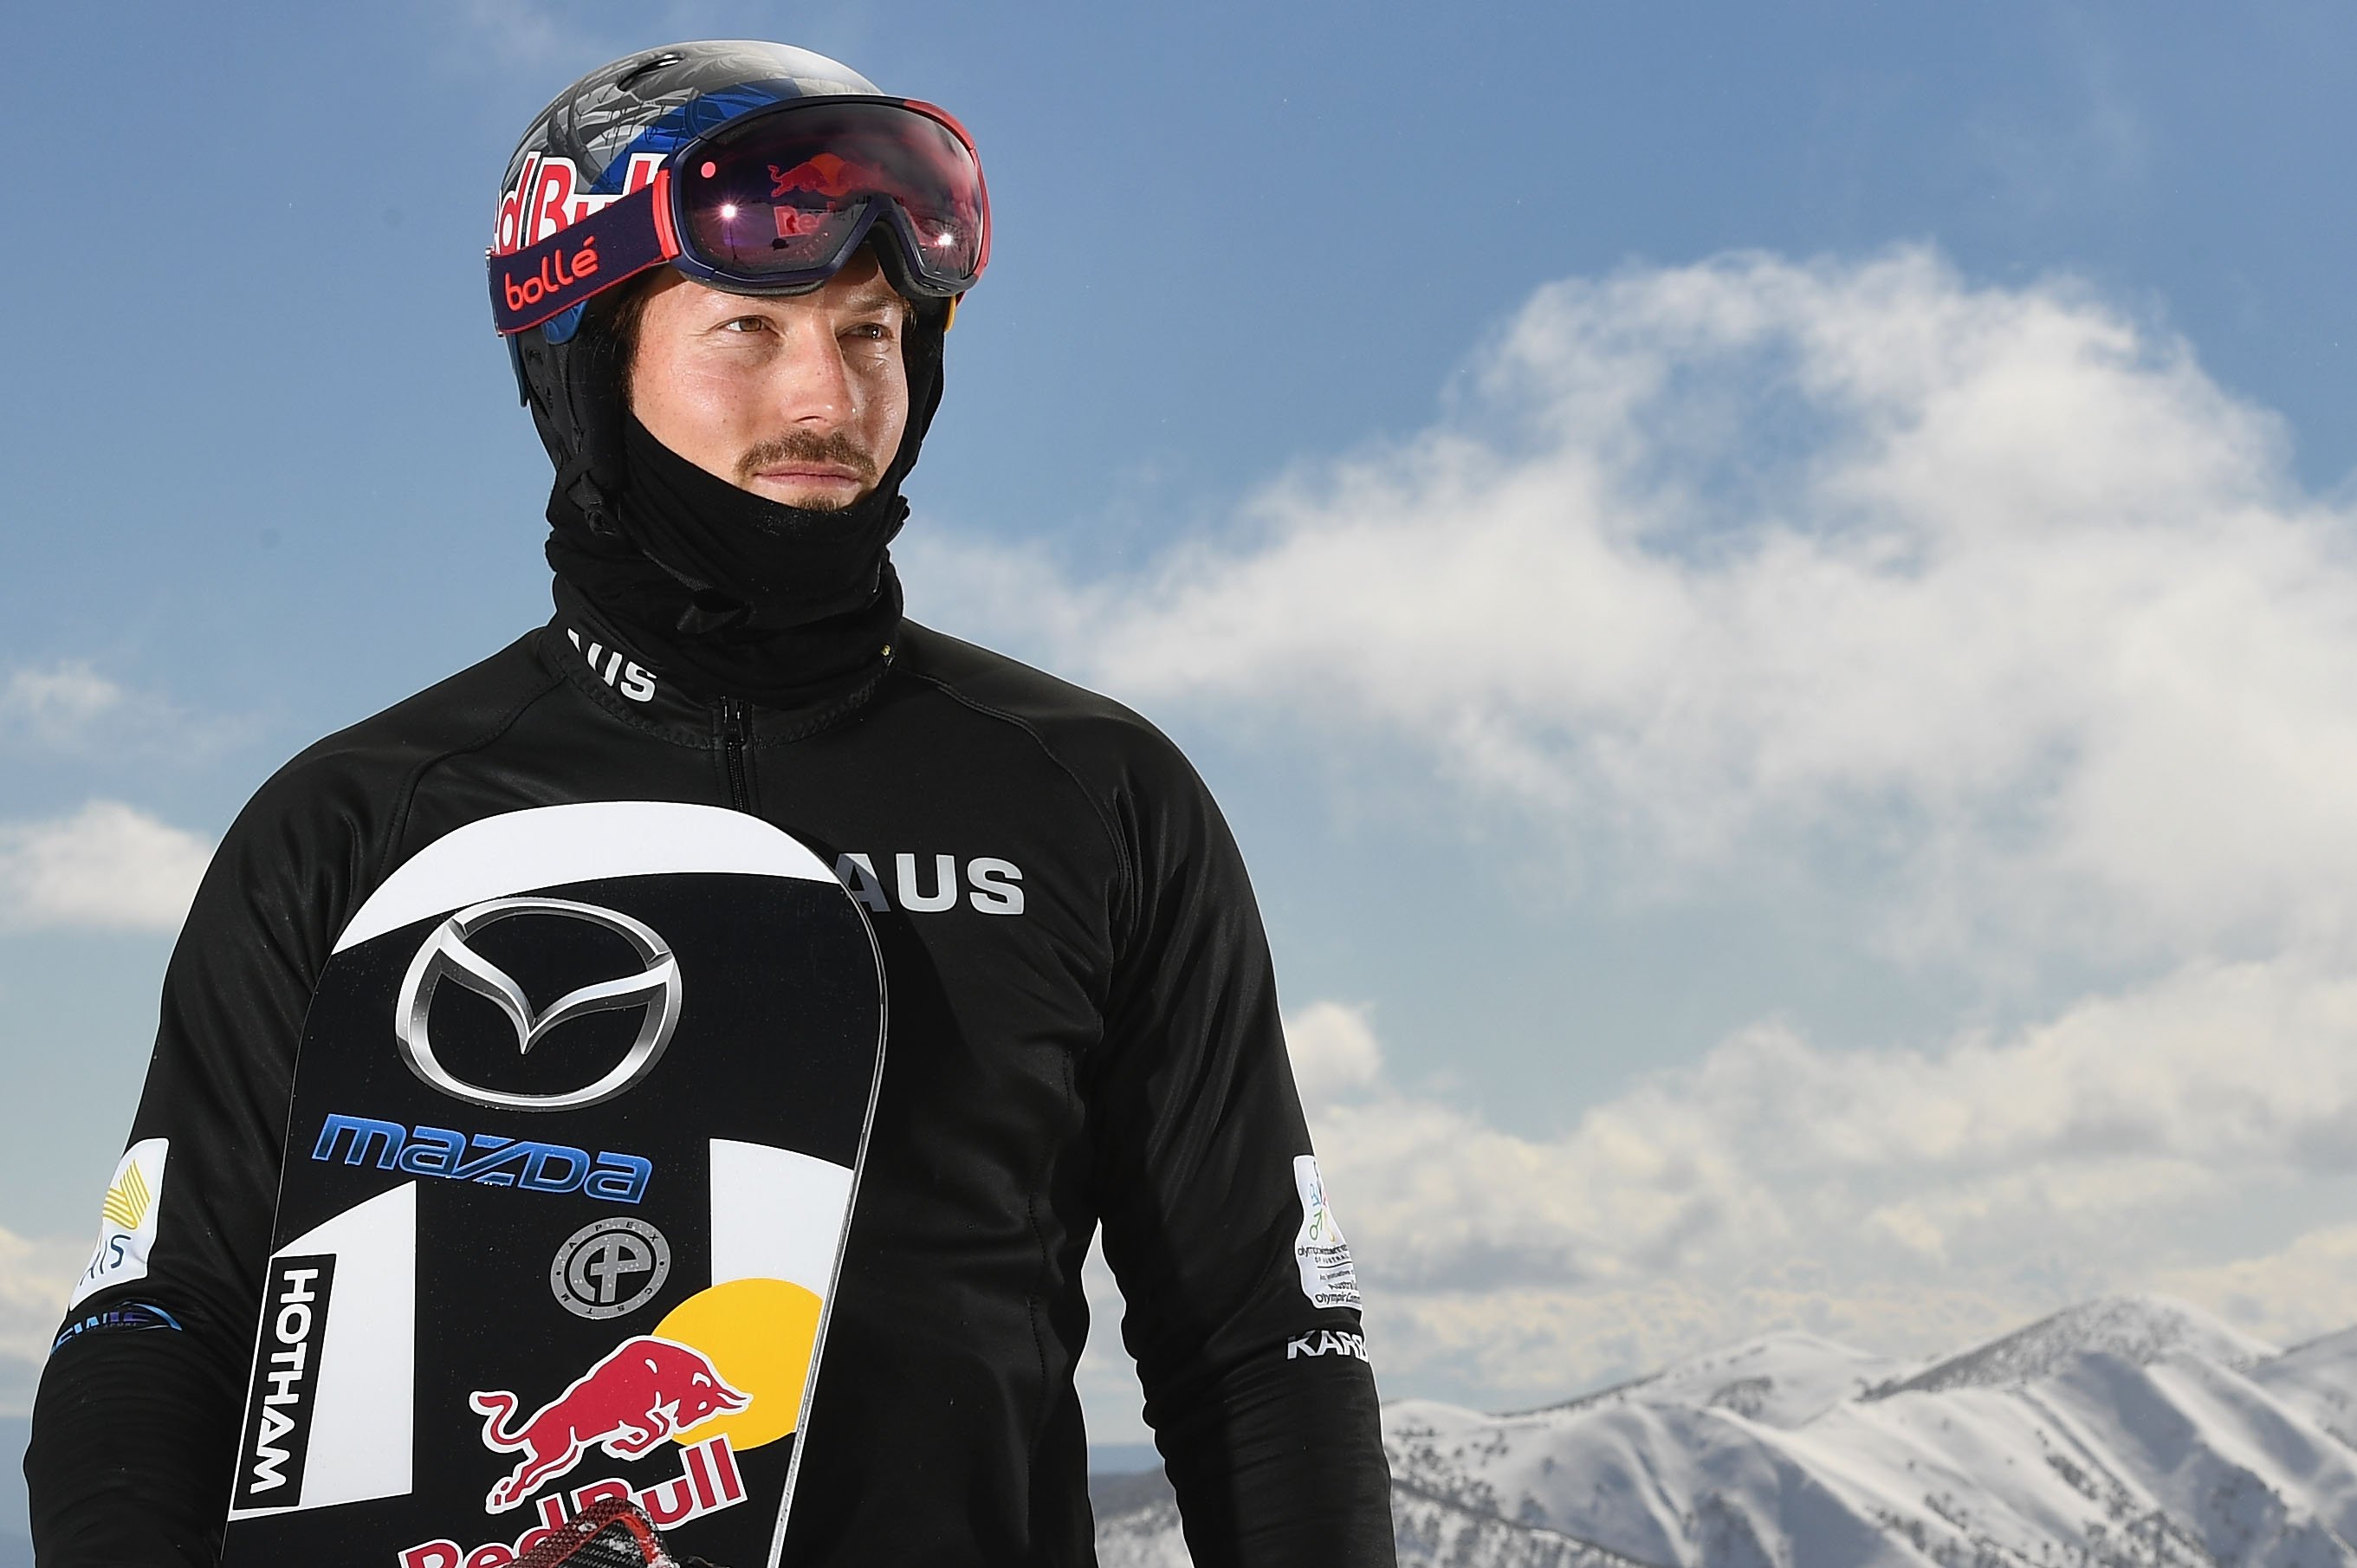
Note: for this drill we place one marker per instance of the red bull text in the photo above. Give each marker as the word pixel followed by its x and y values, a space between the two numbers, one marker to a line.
pixel 548 197
pixel 708 1482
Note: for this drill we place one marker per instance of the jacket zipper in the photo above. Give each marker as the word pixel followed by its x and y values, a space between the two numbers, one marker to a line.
pixel 732 729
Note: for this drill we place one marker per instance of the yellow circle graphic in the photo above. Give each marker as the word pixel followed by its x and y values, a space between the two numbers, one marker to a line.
pixel 758 1335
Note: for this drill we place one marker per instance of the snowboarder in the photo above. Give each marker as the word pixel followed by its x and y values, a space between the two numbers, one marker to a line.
pixel 732 358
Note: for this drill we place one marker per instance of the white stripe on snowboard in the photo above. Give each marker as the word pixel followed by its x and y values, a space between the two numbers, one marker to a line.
pixel 551 846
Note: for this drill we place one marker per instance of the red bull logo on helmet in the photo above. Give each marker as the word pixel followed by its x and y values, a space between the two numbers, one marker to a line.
pixel 550 195
pixel 645 1392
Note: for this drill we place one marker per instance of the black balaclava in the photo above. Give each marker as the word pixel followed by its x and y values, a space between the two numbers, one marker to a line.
pixel 726 592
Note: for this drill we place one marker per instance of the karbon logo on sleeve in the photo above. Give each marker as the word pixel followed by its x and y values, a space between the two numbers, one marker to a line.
pixel 655 988
pixel 1327 1342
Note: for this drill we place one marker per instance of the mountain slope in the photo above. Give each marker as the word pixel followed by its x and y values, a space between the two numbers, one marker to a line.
pixel 1782 1379
pixel 2130 1432
pixel 2319 1378
pixel 2135 1329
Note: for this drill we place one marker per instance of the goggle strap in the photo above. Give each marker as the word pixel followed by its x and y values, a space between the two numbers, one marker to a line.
pixel 666 228
pixel 620 240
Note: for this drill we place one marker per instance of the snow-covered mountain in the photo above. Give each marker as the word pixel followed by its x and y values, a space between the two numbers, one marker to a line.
pixel 2140 1329
pixel 2132 1431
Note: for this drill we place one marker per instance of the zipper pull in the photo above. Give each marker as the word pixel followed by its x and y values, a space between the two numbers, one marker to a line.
pixel 735 730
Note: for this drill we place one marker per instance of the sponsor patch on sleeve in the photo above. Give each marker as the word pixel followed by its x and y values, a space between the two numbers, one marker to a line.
pixel 122 1316
pixel 1327 1277
pixel 126 1225
pixel 1327 1342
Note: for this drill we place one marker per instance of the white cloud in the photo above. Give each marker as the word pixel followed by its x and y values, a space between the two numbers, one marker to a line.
pixel 67 707
pixel 1906 1201
pixel 58 703
pixel 1757 562
pixel 1106 1379
pixel 1334 1052
pixel 2286 1295
pixel 560 40
pixel 1903 1198
pixel 108 867
pixel 34 1276
pixel 1980 615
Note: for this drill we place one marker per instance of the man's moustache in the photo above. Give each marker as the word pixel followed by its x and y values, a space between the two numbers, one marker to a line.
pixel 838 449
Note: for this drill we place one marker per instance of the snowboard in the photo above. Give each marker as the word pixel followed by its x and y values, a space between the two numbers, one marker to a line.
pixel 577 1121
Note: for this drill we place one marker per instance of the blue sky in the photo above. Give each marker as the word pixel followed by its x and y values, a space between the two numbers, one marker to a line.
pixel 1764 588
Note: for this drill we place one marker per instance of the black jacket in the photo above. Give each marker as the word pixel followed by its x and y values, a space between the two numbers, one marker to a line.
pixel 1084 1030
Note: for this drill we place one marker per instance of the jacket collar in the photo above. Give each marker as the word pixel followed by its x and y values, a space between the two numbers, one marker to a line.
pixel 600 662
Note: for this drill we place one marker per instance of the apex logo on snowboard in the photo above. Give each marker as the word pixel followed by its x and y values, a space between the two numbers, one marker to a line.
pixel 603 1256
pixel 646 1389
pixel 446 955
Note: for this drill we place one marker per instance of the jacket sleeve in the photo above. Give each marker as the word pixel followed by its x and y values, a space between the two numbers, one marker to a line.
pixel 1242 1313
pixel 135 1422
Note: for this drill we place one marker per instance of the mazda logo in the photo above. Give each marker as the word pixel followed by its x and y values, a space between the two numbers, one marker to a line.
pixel 446 956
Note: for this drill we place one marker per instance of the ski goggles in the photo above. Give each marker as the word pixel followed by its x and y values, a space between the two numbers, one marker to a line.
pixel 775 201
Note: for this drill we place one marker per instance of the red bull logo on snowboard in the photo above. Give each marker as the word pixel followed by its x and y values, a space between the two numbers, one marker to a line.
pixel 708 1482
pixel 645 1392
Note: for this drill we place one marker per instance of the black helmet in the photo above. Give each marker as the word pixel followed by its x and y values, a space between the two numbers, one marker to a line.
pixel 611 134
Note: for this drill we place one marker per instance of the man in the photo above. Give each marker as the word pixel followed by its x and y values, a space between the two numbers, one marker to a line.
pixel 1083 1027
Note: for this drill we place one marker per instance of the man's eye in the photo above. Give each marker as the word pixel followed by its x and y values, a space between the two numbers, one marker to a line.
pixel 745 324
pixel 873 332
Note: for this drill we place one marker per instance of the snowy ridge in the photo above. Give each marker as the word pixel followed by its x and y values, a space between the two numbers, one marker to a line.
pixel 1435 1530
pixel 2140 1329
pixel 1782 1379
pixel 2319 1378
pixel 2129 1433
pixel 1430 1530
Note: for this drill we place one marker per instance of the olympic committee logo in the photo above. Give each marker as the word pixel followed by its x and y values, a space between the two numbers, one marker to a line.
pixel 609 1268
pixel 655 988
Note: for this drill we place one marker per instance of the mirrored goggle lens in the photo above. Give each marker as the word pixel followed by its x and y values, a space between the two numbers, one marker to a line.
pixel 780 197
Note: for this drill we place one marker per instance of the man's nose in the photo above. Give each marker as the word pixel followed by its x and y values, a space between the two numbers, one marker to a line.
pixel 815 386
